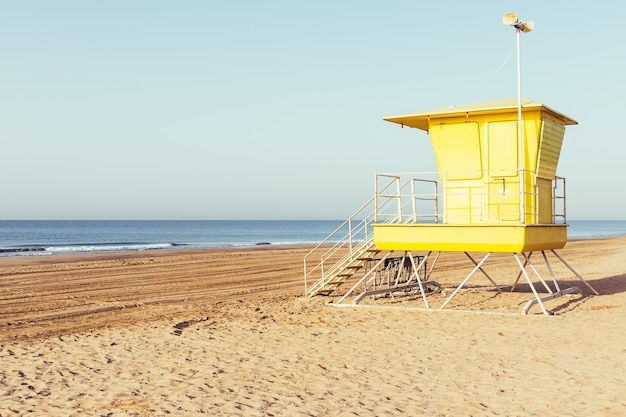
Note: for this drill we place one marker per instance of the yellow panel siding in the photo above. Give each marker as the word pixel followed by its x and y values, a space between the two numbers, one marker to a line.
pixel 503 200
pixel 469 238
pixel 532 128
pixel 544 189
pixel 502 149
pixel 550 142
pixel 457 149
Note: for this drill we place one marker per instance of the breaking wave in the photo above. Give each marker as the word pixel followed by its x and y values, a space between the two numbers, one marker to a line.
pixel 84 248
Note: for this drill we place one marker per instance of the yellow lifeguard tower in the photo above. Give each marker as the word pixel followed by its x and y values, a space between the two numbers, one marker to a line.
pixel 495 191
pixel 498 191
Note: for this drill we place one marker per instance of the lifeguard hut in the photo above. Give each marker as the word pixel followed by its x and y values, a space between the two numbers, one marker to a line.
pixel 499 193
pixel 494 192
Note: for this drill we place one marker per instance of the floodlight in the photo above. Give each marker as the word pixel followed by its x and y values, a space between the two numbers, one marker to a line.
pixel 512 20
pixel 527 26
pixel 509 18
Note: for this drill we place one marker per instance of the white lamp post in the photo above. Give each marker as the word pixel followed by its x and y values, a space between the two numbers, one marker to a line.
pixel 512 20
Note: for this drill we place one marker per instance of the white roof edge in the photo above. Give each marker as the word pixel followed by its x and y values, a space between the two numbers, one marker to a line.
pixel 485 106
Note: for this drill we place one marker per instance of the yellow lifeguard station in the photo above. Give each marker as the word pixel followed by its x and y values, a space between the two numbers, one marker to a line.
pixel 495 191
pixel 498 191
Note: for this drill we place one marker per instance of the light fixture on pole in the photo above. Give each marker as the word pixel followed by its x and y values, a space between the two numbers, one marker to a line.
pixel 520 26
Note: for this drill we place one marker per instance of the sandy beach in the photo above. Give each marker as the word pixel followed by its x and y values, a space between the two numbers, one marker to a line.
pixel 229 333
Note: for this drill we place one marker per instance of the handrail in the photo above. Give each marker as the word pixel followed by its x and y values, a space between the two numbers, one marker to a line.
pixel 334 248
pixel 406 200
pixel 486 202
pixel 379 192
pixel 556 198
pixel 332 245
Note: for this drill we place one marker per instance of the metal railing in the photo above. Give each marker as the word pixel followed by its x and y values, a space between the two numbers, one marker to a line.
pixel 402 206
pixel 558 198
pixel 487 197
pixel 352 236
pixel 351 233
pixel 432 198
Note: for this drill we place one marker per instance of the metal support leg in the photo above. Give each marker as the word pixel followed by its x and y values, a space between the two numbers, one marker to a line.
pixel 530 283
pixel 432 266
pixel 575 273
pixel 570 290
pixel 484 273
pixel 417 268
pixel 417 277
pixel 476 268
pixel 545 284
pixel 556 283
pixel 520 273
pixel 399 269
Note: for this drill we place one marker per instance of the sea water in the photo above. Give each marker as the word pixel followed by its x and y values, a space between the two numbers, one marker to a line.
pixel 43 237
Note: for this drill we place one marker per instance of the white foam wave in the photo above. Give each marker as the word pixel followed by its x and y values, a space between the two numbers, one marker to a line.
pixel 123 247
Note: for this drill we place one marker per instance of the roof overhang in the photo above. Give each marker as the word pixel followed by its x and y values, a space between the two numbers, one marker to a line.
pixel 421 120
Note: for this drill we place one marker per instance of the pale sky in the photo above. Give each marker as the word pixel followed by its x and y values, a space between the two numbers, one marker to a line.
pixel 273 109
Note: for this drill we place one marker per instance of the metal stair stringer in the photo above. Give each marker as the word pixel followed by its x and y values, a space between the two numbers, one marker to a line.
pixel 344 269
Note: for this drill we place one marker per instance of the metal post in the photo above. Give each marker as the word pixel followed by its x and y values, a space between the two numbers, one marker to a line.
pixel 564 204
pixel 306 288
pixel 350 233
pixel 512 20
pixel 444 196
pixel 518 31
pixel 413 201
pixel 436 202
pixel 376 200
pixel 399 197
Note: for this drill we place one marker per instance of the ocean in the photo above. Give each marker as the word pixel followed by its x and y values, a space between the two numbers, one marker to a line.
pixel 44 237
pixel 49 237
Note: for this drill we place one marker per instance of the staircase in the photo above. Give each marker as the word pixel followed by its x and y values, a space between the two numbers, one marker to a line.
pixel 350 250
pixel 346 254
pixel 353 262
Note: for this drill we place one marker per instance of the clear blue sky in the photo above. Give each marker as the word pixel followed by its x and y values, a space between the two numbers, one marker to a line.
pixel 273 109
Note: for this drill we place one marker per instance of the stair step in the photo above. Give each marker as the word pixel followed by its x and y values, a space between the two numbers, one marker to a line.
pixel 346 268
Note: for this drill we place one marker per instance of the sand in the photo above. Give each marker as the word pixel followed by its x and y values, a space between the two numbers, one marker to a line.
pixel 228 333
